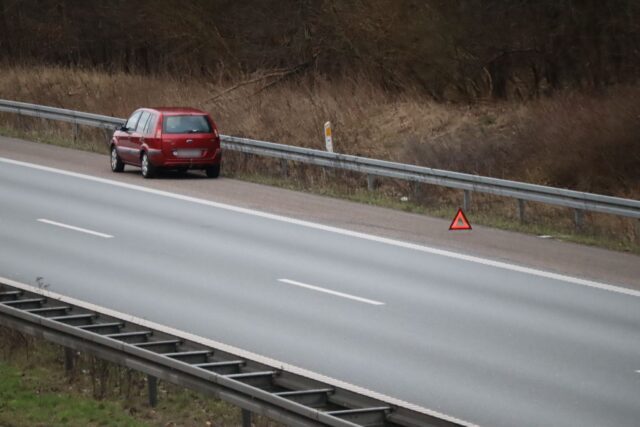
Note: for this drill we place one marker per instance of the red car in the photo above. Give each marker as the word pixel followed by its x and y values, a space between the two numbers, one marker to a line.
pixel 167 138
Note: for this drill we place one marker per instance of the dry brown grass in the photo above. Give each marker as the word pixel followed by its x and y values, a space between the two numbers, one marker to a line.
pixel 590 143
pixel 578 141
pixel 366 119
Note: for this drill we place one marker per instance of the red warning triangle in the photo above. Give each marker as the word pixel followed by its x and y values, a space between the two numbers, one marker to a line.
pixel 460 222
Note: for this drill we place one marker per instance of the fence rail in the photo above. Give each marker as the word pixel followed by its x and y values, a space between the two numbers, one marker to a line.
pixel 469 183
pixel 277 392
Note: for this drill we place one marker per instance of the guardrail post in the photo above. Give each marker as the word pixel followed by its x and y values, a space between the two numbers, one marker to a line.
pixel 284 166
pixel 152 385
pixel 68 360
pixel 417 190
pixel 466 202
pixel 247 157
pixel 76 131
pixel 107 135
pixel 246 418
pixel 521 208
pixel 371 182
pixel 578 215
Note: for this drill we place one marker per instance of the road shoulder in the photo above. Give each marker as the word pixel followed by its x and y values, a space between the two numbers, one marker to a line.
pixel 586 262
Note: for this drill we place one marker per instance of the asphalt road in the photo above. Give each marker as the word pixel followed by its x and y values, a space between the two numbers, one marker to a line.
pixel 494 345
pixel 550 254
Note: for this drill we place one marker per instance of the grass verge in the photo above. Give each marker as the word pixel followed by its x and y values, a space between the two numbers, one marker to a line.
pixel 35 391
pixel 22 404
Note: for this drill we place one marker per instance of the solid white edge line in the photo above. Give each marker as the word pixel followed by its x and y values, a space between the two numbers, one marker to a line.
pixel 398 243
pixel 233 350
pixel 331 292
pixel 74 228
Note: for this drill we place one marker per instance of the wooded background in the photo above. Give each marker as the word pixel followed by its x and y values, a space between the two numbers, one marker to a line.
pixel 451 50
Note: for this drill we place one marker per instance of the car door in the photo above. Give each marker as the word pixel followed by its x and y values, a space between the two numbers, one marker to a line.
pixel 125 147
pixel 148 139
pixel 137 136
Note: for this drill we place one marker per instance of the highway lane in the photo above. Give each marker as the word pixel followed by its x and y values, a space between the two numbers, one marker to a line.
pixel 491 345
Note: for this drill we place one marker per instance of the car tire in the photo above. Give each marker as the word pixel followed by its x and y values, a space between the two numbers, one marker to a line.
pixel 213 171
pixel 147 169
pixel 116 163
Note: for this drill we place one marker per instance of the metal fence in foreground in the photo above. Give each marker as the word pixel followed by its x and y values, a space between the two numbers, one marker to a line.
pixel 277 392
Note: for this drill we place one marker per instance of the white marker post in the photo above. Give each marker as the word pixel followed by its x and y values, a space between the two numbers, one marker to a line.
pixel 328 139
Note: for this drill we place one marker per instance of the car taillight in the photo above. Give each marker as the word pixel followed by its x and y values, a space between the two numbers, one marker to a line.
pixel 215 131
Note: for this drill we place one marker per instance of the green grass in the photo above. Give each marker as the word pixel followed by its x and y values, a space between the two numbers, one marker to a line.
pixel 21 404
pixel 35 391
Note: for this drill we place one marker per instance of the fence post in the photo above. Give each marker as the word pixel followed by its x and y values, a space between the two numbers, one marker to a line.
pixel 76 131
pixel 284 166
pixel 152 385
pixel 246 418
pixel 371 182
pixel 243 165
pixel 578 215
pixel 417 190
pixel 68 360
pixel 107 134
pixel 466 203
pixel 521 208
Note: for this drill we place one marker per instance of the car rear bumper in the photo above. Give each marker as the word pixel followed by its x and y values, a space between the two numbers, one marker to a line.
pixel 164 160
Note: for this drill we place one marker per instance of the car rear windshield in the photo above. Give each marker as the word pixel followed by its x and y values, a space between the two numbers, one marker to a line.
pixel 186 124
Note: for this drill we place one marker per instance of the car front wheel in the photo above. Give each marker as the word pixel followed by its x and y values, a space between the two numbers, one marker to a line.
pixel 148 170
pixel 116 164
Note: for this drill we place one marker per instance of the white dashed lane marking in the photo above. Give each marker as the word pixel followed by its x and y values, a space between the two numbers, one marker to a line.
pixel 331 292
pixel 74 228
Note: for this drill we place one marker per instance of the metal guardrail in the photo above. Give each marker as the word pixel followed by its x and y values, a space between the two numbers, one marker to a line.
pixel 577 200
pixel 271 391
pixel 60 114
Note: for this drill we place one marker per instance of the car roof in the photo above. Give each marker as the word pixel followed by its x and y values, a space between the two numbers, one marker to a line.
pixel 169 111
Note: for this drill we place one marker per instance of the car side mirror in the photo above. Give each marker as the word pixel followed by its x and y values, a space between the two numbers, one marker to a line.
pixel 124 128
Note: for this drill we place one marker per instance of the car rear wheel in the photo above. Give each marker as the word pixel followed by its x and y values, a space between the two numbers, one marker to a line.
pixel 213 171
pixel 116 164
pixel 148 170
